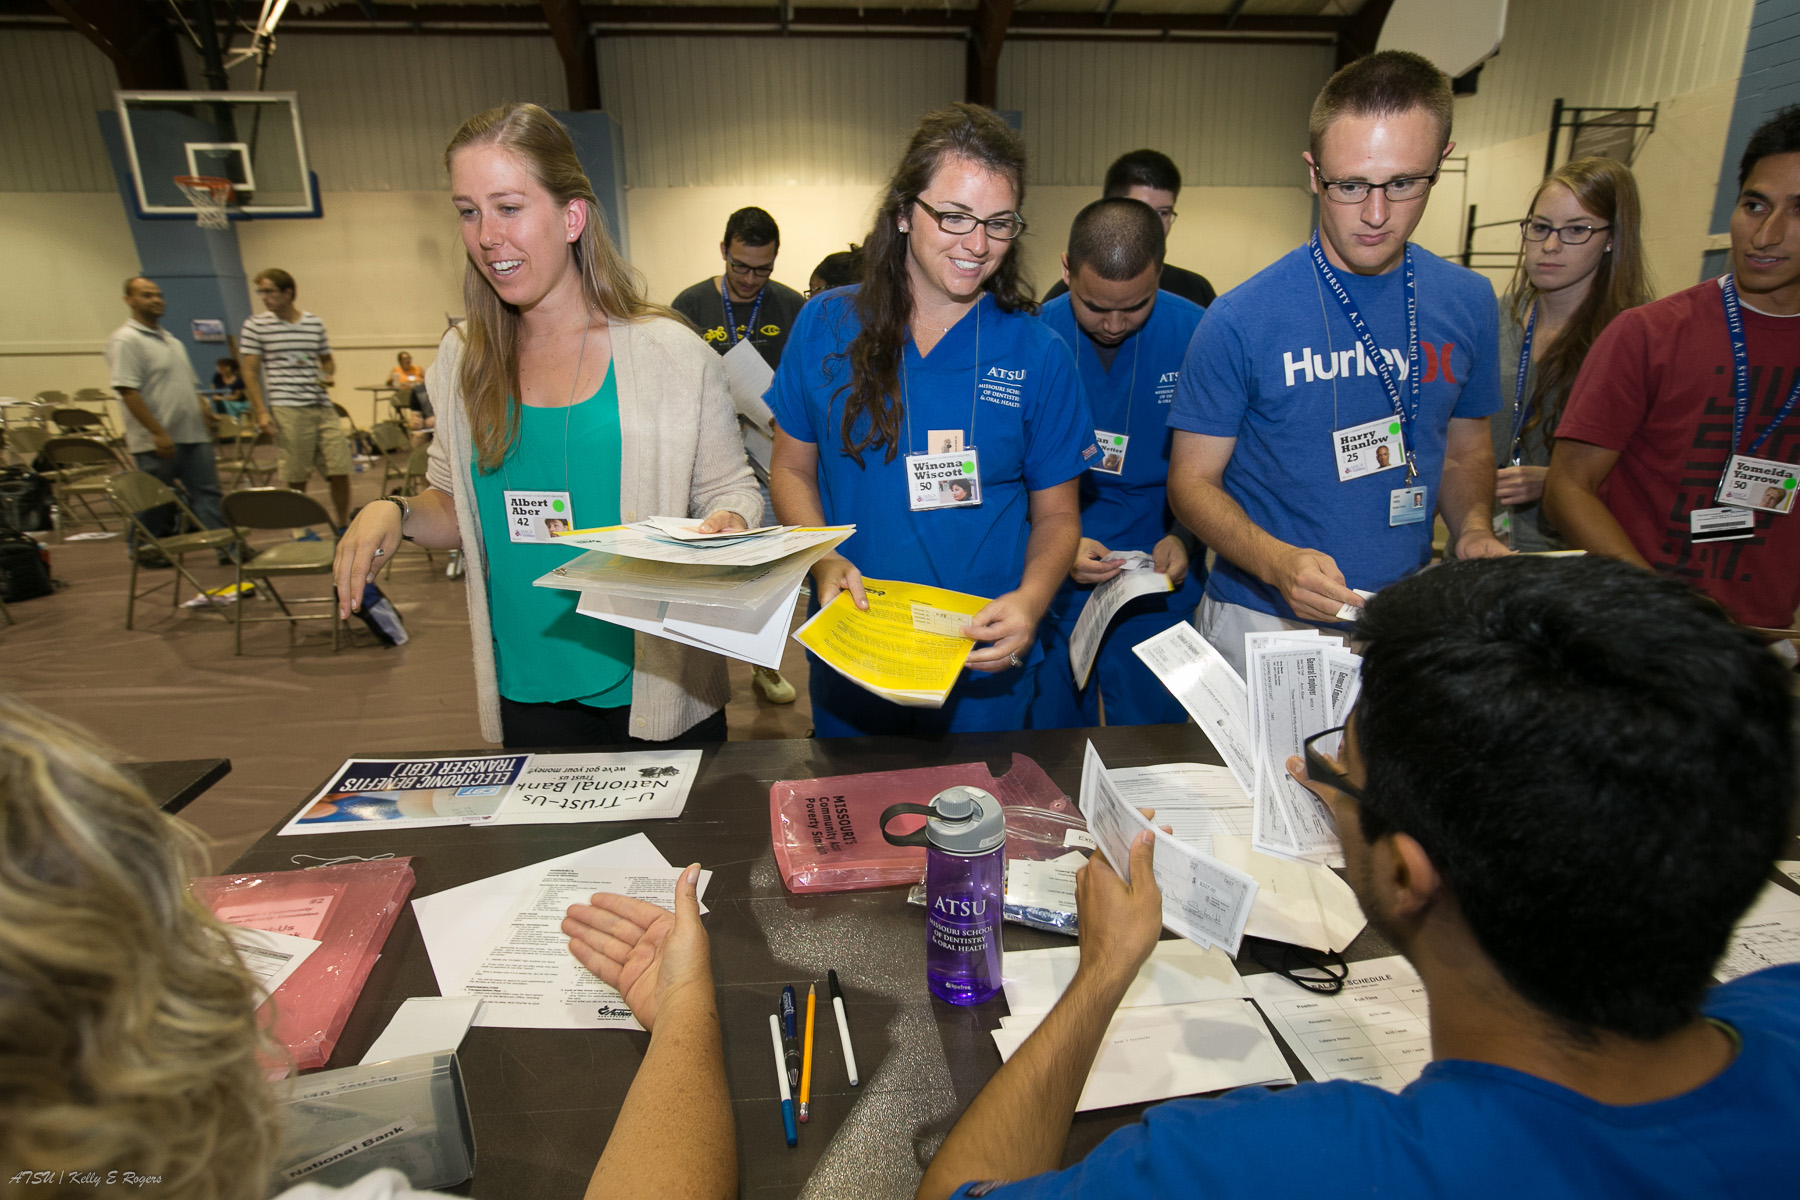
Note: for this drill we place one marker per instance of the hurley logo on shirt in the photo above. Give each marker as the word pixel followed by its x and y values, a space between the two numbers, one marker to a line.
pixel 1356 362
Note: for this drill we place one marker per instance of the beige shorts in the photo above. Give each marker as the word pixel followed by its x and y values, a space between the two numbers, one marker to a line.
pixel 310 435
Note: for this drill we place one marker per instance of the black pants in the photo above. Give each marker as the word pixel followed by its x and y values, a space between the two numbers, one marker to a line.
pixel 570 723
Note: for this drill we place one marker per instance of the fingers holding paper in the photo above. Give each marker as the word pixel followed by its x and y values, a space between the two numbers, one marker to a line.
pixel 833 574
pixel 1094 563
pixel 1120 921
pixel 722 521
pixel 648 953
pixel 1007 624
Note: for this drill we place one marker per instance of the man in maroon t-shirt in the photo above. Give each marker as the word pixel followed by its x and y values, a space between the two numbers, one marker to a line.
pixel 1647 436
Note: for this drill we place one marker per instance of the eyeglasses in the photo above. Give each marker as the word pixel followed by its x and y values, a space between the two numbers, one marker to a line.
pixel 739 268
pixel 1319 769
pixel 1568 235
pixel 1355 191
pixel 1002 228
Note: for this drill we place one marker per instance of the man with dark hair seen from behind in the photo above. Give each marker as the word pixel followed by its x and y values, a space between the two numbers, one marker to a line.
pixel 745 304
pixel 1128 339
pixel 287 367
pixel 1354 341
pixel 168 427
pixel 1152 177
pixel 1564 906
pixel 1643 469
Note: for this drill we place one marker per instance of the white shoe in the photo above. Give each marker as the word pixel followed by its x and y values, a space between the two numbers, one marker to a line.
pixel 774 688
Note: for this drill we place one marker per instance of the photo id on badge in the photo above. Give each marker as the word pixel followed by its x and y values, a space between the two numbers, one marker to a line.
pixel 1721 524
pixel 1406 506
pixel 1112 452
pixel 538 516
pixel 1760 483
pixel 943 480
pixel 1368 449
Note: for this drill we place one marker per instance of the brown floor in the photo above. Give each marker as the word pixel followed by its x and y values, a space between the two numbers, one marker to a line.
pixel 172 689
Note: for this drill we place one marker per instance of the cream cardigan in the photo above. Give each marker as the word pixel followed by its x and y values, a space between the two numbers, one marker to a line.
pixel 683 456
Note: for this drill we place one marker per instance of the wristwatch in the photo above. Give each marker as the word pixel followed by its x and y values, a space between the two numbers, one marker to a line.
pixel 405 512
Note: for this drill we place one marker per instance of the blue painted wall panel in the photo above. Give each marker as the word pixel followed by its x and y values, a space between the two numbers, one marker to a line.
pixel 1770 81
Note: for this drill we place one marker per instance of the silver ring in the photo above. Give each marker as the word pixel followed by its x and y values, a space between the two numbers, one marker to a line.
pixel 379 552
pixel 1015 660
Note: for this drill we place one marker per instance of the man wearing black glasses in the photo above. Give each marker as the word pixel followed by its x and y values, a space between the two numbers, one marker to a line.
pixel 1565 908
pixel 1357 341
pixel 744 303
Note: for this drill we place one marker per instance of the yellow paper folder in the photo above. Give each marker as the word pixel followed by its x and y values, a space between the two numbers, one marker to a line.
pixel 904 648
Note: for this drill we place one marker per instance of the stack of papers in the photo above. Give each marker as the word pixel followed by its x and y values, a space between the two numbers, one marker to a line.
pixel 1185 1026
pixel 500 789
pixel 1300 681
pixel 1204 900
pixel 908 648
pixel 1138 577
pixel 500 939
pixel 1377 1030
pixel 732 594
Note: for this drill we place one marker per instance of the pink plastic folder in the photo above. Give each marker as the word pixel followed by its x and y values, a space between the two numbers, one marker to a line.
pixel 827 831
pixel 348 908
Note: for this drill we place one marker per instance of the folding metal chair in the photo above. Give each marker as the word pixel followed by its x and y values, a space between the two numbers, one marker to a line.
pixel 25 442
pixel 252 467
pixel 80 421
pixel 395 446
pixel 134 492
pixel 280 508
pixel 81 467
pixel 100 401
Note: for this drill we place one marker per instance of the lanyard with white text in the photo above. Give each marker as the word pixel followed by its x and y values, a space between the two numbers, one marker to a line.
pixel 1382 370
pixel 1740 376
pixel 1521 410
pixel 731 337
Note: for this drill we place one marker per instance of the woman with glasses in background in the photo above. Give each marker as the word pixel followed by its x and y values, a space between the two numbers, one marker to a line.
pixel 1582 266
pixel 937 347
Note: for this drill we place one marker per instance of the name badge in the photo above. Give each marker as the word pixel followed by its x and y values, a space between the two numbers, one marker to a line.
pixel 1112 452
pixel 537 516
pixel 944 441
pixel 943 480
pixel 1368 449
pixel 1720 524
pixel 1406 506
pixel 1759 483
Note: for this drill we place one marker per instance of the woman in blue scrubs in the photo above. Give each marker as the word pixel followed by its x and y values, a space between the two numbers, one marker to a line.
pixel 935 356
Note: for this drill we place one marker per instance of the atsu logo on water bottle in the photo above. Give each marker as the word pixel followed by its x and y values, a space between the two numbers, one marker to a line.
pixel 952 906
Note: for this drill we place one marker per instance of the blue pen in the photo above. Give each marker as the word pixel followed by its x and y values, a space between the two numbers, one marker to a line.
pixel 790 1037
pixel 787 1097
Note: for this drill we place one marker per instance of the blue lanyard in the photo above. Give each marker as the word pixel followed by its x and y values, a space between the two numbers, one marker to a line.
pixel 1520 409
pixel 1740 374
pixel 731 317
pixel 1382 370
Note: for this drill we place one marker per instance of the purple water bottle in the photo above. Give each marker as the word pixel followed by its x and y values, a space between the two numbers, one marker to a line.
pixel 964 836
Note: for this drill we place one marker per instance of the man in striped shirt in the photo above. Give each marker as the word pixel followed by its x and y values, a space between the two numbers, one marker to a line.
pixel 287 366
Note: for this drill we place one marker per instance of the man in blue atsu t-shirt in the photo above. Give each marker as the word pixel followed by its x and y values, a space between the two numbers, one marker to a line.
pixel 1334 402
pixel 1564 782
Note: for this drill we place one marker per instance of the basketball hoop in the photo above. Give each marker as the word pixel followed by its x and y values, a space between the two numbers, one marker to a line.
pixel 209 195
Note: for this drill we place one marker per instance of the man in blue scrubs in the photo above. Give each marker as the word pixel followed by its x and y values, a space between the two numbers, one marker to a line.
pixel 1128 339
pixel 1300 377
pixel 1563 784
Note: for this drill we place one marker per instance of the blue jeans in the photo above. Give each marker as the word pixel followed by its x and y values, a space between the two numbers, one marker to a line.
pixel 194 467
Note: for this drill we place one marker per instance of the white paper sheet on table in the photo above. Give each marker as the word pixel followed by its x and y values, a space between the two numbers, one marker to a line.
pixel 1298 902
pixel 1377 1030
pixel 425 1024
pixel 457 923
pixel 270 957
pixel 1203 899
pixel 1195 800
pixel 1766 936
pixel 526 977
pixel 1177 972
pixel 1174 1050
pixel 749 375
pixel 1138 577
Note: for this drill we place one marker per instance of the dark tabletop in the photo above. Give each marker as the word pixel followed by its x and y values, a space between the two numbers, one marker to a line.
pixel 175 784
pixel 544 1101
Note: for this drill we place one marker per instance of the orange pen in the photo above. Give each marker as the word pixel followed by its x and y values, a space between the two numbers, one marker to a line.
pixel 806 1053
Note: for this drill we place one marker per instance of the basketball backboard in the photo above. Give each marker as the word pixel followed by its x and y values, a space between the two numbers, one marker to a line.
pixel 254 139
